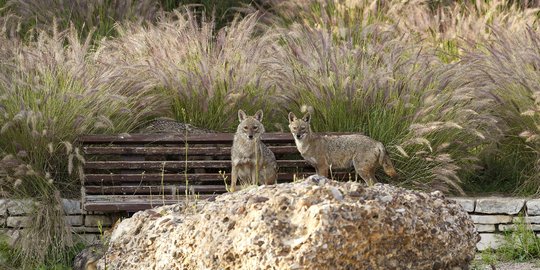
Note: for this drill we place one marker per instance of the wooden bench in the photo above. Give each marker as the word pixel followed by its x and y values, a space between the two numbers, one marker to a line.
pixel 132 172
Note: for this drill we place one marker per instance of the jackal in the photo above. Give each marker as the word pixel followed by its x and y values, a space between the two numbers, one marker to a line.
pixel 340 152
pixel 251 159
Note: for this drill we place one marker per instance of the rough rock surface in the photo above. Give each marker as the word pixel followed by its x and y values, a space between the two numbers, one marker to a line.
pixel 313 224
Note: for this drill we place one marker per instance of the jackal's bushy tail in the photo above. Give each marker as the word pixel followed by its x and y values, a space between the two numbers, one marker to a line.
pixel 386 163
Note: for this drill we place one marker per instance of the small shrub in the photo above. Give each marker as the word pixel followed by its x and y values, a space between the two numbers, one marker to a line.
pixel 99 17
pixel 509 65
pixel 394 92
pixel 50 95
pixel 520 243
pixel 206 74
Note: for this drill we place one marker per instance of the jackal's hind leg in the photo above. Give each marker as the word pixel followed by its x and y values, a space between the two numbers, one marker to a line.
pixel 366 170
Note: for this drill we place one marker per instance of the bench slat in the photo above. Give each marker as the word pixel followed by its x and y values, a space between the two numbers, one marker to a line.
pixel 115 203
pixel 158 165
pixel 210 138
pixel 108 179
pixel 125 206
pixel 201 151
pixel 157 189
pixel 148 198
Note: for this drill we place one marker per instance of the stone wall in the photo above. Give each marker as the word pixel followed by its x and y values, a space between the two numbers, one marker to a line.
pixel 85 225
pixel 494 215
pixel 491 215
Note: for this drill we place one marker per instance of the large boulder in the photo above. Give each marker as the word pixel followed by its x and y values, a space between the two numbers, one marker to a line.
pixel 313 224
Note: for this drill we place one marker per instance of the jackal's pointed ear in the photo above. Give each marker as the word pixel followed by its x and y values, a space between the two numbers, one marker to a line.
pixel 307 117
pixel 241 115
pixel 292 117
pixel 259 115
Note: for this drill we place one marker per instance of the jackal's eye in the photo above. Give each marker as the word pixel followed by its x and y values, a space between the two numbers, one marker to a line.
pixel 255 128
pixel 294 128
pixel 245 127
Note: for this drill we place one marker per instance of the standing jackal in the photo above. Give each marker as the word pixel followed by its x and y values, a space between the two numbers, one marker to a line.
pixel 340 152
pixel 252 161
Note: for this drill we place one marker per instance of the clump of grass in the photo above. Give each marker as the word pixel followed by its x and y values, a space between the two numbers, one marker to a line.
pixel 49 95
pixel 511 76
pixel 207 74
pixel 97 17
pixel 487 260
pixel 520 243
pixel 445 25
pixel 11 257
pixel 393 91
pixel 224 11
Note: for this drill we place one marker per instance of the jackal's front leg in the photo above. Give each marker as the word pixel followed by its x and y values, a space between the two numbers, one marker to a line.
pixel 322 170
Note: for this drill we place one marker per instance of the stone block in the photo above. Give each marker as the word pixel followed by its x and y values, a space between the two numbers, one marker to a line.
pixel 12 235
pixel 533 207
pixel 94 220
pixel 74 220
pixel 19 207
pixel 489 240
pixel 466 203
pixel 491 219
pixel 18 222
pixel 3 207
pixel 485 227
pixel 511 227
pixel 72 207
pixel 496 205
pixel 529 219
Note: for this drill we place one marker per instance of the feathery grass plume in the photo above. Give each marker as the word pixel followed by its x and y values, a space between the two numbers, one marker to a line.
pixel 510 64
pixel 447 25
pixel 101 15
pixel 207 74
pixel 52 93
pixel 392 90
pixel 346 20
pixel 223 12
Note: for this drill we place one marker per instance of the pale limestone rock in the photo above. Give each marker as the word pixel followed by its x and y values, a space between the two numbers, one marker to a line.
pixel 301 225
pixel 72 207
pixel 511 227
pixel 485 227
pixel 491 219
pixel 73 220
pixel 13 235
pixel 497 205
pixel 533 207
pixel 489 240
pixel 19 207
pixel 18 222
pixel 531 219
pixel 466 203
